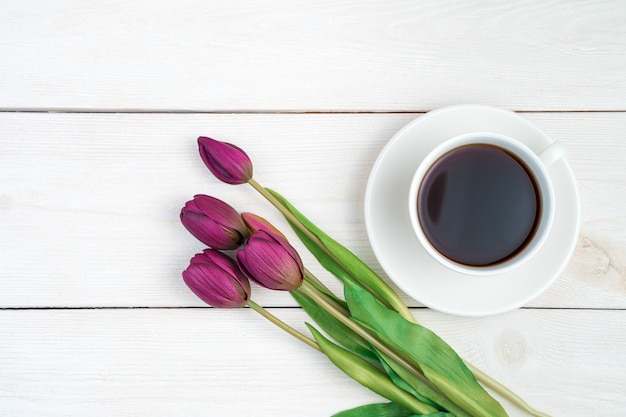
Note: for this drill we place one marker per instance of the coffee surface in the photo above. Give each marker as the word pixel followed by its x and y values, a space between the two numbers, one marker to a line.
pixel 478 205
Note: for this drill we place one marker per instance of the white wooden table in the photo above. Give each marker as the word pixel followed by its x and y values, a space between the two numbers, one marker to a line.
pixel 101 103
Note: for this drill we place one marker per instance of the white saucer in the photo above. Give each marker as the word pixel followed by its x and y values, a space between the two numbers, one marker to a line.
pixel 415 271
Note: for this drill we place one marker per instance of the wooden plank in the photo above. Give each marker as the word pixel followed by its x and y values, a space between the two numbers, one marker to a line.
pixel 206 362
pixel 89 203
pixel 323 55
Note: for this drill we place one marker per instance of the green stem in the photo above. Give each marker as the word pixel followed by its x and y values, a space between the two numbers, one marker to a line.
pixel 398 305
pixel 504 391
pixel 339 315
pixel 288 215
pixel 338 304
pixel 501 389
pixel 278 322
pixel 319 285
pixel 406 363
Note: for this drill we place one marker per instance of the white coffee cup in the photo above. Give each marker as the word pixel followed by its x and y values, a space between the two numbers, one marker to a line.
pixel 535 164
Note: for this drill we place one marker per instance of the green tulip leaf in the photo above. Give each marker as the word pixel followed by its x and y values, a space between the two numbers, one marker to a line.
pixel 340 261
pixel 420 389
pixel 333 327
pixel 376 410
pixel 368 375
pixel 437 360
pixel 383 410
pixel 415 385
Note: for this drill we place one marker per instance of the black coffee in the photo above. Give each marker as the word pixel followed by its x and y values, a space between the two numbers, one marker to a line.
pixel 478 205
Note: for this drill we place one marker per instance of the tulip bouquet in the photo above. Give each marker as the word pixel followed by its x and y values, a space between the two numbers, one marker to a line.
pixel 368 332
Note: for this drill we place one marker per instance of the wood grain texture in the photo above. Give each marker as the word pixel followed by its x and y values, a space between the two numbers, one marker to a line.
pixel 89 203
pixel 94 316
pixel 206 362
pixel 324 55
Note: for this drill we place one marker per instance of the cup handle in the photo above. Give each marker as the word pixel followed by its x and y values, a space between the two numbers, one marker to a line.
pixel 552 153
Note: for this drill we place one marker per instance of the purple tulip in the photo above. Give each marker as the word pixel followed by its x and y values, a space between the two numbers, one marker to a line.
pixel 256 223
pixel 213 222
pixel 227 162
pixel 271 262
pixel 216 280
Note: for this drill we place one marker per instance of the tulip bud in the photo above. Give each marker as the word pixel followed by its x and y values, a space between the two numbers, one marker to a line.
pixel 227 162
pixel 256 223
pixel 213 222
pixel 216 280
pixel 271 262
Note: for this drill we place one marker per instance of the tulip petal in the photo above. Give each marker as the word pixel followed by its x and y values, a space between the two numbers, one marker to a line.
pixel 271 262
pixel 226 161
pixel 215 279
pixel 256 223
pixel 213 222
